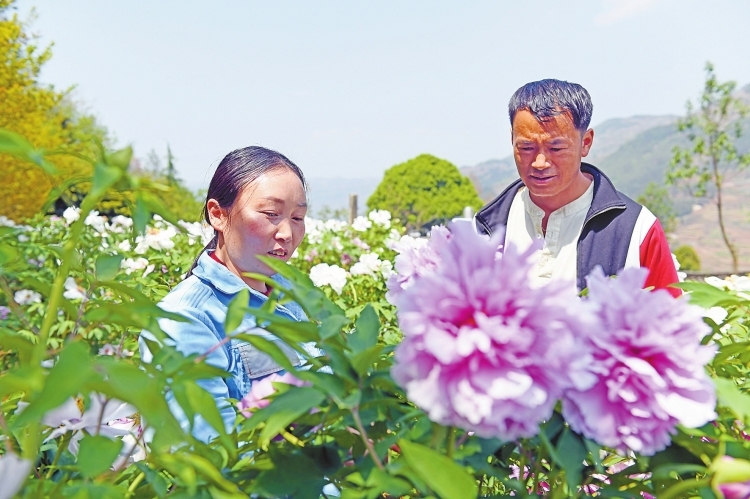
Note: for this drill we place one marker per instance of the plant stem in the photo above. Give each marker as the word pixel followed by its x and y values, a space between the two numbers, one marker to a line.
pixel 135 483
pixel 365 440
pixel 677 489
pixel 451 444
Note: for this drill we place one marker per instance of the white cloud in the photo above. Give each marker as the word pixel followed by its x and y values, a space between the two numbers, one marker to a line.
pixel 619 10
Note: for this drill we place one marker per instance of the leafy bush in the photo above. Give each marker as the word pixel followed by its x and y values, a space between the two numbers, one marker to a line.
pixel 688 257
pixel 424 191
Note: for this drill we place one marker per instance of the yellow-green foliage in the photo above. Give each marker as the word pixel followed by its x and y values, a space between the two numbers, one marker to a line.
pixel 688 258
pixel 424 190
pixel 39 113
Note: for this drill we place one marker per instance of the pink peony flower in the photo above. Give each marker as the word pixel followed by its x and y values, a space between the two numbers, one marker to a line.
pixel 482 349
pixel 261 389
pixel 650 366
pixel 414 260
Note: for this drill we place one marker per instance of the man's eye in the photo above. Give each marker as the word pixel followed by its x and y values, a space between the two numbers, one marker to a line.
pixel 556 149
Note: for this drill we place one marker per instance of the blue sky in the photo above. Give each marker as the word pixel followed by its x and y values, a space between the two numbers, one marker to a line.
pixel 350 88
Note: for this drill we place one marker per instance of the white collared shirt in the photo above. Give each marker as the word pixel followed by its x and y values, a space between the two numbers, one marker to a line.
pixel 558 258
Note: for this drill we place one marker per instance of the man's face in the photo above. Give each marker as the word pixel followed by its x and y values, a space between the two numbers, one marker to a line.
pixel 548 157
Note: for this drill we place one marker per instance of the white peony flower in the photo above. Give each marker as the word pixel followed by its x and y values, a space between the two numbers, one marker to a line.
pixel 124 245
pixel 323 274
pixel 314 229
pixel 13 473
pixel 381 217
pixel 27 297
pixel 69 417
pixel 386 268
pixel 73 291
pixel 71 214
pixel 99 223
pixel 368 264
pixel 197 231
pixel 120 224
pixel 131 265
pixel 158 239
pixel 717 283
pixel 405 243
pixel 334 225
pixel 336 243
pixel 7 222
pixel 361 224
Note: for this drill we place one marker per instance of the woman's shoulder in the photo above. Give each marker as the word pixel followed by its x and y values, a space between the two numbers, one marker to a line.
pixel 191 292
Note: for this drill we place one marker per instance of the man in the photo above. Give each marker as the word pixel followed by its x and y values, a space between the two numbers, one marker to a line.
pixel 572 206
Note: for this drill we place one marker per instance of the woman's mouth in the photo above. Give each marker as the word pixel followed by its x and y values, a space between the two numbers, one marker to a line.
pixel 278 253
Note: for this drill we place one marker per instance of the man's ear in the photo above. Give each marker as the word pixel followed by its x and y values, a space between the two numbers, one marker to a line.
pixel 217 215
pixel 587 142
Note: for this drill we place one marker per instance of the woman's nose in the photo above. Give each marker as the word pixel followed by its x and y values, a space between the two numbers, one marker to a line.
pixel 284 230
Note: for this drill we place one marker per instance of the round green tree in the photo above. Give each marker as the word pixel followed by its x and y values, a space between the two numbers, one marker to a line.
pixel 424 191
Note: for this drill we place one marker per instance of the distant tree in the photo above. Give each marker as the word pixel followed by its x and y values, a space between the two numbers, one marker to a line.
pixel 688 258
pixel 45 116
pixel 713 129
pixel 657 199
pixel 424 190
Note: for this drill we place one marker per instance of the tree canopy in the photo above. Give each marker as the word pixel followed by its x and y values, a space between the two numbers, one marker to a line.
pixel 713 128
pixel 424 190
pixel 46 117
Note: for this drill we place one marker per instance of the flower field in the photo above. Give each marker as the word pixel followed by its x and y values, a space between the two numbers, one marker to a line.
pixel 444 374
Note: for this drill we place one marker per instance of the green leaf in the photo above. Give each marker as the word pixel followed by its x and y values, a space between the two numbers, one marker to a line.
pixel 236 311
pixel 366 330
pixel 448 479
pixel 96 454
pixel 571 452
pixel 155 205
pixel 107 266
pixel 731 397
pixel 105 177
pixel 364 360
pixel 8 254
pixel 67 378
pixel 141 214
pixel 197 400
pixel 14 144
pixel 284 409
pixel 10 340
pixel 120 159
pixel 331 326
pixel 707 296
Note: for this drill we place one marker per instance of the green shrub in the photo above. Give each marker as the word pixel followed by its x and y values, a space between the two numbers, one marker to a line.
pixel 688 258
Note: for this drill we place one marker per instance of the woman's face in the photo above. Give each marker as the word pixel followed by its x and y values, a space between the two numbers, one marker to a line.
pixel 267 219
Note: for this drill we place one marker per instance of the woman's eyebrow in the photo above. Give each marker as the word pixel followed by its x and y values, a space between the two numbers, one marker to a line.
pixel 281 201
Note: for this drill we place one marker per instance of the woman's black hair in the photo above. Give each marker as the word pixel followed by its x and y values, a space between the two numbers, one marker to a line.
pixel 238 169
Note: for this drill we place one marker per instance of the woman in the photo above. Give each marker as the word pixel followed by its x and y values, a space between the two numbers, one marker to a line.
pixel 256 203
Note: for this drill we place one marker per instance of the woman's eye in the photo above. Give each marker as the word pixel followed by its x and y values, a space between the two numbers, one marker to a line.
pixel 270 214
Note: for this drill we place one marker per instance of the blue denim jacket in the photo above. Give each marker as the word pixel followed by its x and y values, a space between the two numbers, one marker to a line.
pixel 203 299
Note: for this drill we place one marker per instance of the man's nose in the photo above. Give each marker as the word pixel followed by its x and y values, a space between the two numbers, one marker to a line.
pixel 540 161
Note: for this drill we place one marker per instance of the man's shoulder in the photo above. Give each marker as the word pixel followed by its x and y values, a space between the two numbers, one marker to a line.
pixel 495 213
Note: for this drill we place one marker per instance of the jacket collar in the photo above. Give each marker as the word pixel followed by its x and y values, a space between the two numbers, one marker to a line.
pixel 606 196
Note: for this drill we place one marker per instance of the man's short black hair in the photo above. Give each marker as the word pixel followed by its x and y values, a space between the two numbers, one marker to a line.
pixel 547 98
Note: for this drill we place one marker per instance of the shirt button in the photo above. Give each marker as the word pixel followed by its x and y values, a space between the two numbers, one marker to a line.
pixel 538 236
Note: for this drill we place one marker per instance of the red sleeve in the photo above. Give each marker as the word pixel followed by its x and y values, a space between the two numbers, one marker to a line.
pixel 657 258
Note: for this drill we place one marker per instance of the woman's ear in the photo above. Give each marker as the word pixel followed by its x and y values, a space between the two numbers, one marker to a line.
pixel 217 215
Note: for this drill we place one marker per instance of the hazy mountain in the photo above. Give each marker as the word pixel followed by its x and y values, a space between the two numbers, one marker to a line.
pixel 333 193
